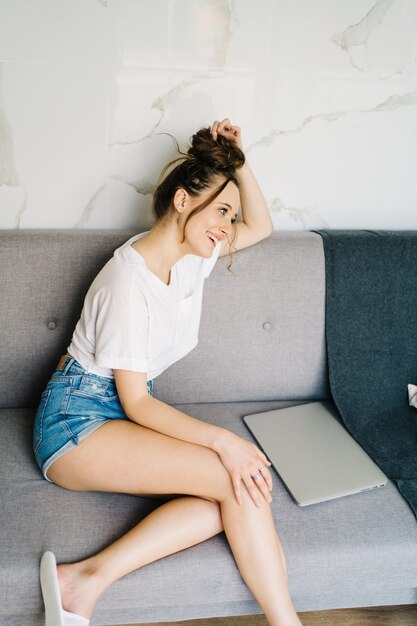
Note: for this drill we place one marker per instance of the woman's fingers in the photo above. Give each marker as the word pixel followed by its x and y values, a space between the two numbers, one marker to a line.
pixel 257 489
pixel 229 131
pixel 246 462
pixel 218 127
pixel 258 484
pixel 262 483
pixel 265 472
pixel 264 462
pixel 265 458
pixel 267 477
pixel 214 128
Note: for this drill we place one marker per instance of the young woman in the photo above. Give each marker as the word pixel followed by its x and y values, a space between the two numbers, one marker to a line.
pixel 99 428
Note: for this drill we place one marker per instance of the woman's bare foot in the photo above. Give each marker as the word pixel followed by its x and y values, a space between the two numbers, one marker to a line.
pixel 80 589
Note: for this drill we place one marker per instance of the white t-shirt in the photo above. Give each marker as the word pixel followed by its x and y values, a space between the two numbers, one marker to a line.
pixel 132 320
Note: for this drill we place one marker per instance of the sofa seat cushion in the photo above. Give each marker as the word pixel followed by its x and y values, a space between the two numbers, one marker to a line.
pixel 357 547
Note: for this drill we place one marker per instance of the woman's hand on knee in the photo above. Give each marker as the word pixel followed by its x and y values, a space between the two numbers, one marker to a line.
pixel 243 460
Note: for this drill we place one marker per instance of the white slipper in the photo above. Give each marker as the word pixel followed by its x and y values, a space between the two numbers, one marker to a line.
pixel 55 615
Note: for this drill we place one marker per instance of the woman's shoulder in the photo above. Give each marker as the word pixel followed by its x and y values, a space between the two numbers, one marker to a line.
pixel 118 278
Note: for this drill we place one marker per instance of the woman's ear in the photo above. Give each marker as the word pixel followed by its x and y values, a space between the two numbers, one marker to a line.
pixel 180 198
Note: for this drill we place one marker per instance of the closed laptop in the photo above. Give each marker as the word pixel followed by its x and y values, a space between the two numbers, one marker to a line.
pixel 313 453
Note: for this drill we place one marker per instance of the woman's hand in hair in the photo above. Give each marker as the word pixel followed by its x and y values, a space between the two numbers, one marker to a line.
pixel 243 459
pixel 230 132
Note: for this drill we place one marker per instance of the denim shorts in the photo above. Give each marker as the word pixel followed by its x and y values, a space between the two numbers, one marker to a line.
pixel 73 405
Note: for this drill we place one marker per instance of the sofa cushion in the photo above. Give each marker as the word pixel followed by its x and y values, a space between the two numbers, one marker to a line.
pixel 358 550
pixel 261 333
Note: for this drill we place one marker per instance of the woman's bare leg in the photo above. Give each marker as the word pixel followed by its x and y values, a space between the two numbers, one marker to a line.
pixel 150 462
pixel 174 526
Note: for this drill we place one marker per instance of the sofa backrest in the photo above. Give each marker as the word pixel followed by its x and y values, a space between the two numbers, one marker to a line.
pixel 262 334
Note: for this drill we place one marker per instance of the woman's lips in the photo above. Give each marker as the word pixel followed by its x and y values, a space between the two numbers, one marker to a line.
pixel 213 243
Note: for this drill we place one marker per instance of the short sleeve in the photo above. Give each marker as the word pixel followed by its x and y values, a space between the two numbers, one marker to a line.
pixel 122 323
pixel 208 264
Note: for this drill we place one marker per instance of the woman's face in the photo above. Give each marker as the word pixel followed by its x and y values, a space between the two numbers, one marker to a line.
pixel 217 218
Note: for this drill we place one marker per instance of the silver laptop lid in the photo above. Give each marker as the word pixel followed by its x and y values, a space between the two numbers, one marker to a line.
pixel 313 453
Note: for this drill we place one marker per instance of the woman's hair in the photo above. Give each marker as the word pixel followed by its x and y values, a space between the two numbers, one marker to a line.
pixel 205 161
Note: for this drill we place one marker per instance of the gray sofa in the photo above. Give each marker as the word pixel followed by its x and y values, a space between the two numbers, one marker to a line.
pixel 267 323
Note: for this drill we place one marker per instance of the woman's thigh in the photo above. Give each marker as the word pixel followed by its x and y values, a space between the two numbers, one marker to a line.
pixel 124 457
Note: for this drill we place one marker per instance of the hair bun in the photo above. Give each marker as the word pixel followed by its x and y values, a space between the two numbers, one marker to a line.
pixel 220 153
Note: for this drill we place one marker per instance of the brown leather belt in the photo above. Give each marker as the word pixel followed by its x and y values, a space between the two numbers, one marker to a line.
pixel 62 361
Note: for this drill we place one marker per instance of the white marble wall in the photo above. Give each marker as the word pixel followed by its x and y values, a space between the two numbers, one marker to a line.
pixel 325 92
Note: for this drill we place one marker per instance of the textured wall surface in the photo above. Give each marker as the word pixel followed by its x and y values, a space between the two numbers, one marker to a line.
pixel 325 92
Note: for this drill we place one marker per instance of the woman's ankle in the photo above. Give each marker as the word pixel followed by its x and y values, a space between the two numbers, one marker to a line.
pixel 80 588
